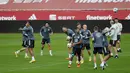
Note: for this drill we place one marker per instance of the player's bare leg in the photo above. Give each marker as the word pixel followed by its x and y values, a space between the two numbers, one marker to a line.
pixel 69 53
pixel 94 59
pixel 116 56
pixel 26 53
pixel 89 53
pixel 106 58
pixel 101 57
pixel 118 46
pixel 32 55
pixel 110 47
pixel 50 50
pixel 70 61
pixel 82 56
pixel 42 49
pixel 18 51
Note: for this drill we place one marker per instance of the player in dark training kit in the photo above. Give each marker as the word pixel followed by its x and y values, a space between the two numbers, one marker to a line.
pixel 69 34
pixel 30 42
pixel 97 39
pixel 24 45
pixel 106 50
pixel 77 46
pixel 86 41
pixel 45 32
pixel 105 42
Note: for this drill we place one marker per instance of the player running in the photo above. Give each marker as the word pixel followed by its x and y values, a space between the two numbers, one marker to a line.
pixel 24 45
pixel 106 50
pixel 86 41
pixel 97 39
pixel 105 33
pixel 31 40
pixel 77 46
pixel 69 34
pixel 45 32
pixel 118 34
pixel 113 38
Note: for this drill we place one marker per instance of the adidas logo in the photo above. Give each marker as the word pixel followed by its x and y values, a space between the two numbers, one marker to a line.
pixel 32 17
pixel 128 17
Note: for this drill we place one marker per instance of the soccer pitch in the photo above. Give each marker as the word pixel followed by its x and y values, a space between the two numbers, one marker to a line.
pixel 9 43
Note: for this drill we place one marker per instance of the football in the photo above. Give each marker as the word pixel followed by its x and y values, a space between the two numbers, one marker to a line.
pixel 68 38
pixel 115 10
pixel 69 45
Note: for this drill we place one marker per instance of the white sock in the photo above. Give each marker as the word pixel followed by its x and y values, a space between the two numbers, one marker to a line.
pixel 41 51
pixel 102 64
pixel 50 51
pixel 78 62
pixel 70 62
pixel 18 51
pixel 111 54
pixel 26 54
pixel 77 58
pixel 69 55
pixel 118 48
pixel 33 58
pixel 95 65
pixel 81 58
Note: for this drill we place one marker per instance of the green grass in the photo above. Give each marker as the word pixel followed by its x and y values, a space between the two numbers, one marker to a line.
pixel 9 43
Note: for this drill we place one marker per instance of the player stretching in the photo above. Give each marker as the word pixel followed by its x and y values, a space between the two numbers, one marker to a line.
pixel 30 42
pixel 119 34
pixel 86 40
pixel 97 39
pixel 69 34
pixel 24 44
pixel 113 38
pixel 45 32
pixel 77 46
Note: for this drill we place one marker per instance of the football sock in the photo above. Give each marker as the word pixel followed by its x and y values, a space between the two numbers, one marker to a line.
pixel 26 54
pixel 50 51
pixel 70 62
pixel 69 55
pixel 119 49
pixel 102 64
pixel 95 65
pixel 33 58
pixel 81 58
pixel 78 62
pixel 18 51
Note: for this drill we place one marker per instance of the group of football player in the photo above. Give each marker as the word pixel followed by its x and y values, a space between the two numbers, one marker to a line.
pixel 79 39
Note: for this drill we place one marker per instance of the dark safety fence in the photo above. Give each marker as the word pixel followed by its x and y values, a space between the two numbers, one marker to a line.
pixel 13 26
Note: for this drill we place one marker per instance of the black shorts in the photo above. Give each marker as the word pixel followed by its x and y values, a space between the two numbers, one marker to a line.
pixel 30 43
pixel 98 50
pixel 118 37
pixel 70 40
pixel 45 41
pixel 87 46
pixel 113 43
pixel 76 51
pixel 24 44
pixel 106 51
